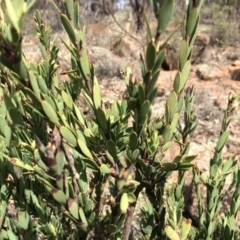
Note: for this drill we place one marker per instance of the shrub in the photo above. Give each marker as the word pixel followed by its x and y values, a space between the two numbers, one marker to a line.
pixel 66 177
pixel 224 24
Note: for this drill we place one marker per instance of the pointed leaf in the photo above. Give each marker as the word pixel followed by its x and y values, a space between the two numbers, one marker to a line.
pixel 186 227
pixel 171 234
pixel 111 147
pixel 19 163
pixel 68 28
pixel 150 56
pixel 104 169
pixel 97 98
pixel 222 141
pixel 68 135
pixel 84 149
pixel 49 111
pixel 165 15
pixel 73 208
pixel 59 196
pixel 124 203
pixel 183 55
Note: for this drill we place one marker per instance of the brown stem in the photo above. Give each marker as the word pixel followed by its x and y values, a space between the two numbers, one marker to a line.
pixel 73 169
pixel 120 26
pixel 128 222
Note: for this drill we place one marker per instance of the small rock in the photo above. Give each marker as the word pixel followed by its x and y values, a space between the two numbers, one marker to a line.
pixel 236 74
pixel 208 71
pixel 104 62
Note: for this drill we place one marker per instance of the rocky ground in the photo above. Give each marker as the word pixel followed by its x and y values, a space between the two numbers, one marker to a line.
pixel 215 73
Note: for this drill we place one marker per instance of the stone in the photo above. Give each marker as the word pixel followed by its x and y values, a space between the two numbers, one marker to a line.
pixel 208 71
pixel 104 62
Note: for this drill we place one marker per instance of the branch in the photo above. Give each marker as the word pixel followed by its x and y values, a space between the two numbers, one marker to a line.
pixel 120 26
pixel 128 222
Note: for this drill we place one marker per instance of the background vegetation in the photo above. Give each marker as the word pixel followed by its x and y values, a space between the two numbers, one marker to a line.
pixel 65 175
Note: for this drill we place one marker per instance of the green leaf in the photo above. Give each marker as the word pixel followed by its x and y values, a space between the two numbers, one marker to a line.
pixel 174 121
pixel 34 83
pixel 135 154
pixel 131 197
pixel 111 228
pixel 169 166
pixel 79 114
pixel 104 169
pixel 59 196
pixel 35 100
pixel 84 64
pixel 23 220
pixel 183 55
pixel 111 147
pixel 41 172
pixel 29 4
pixel 133 141
pixel 3 124
pixel 176 84
pixel 172 105
pixel 16 116
pixel 153 81
pixel 67 99
pixel 143 113
pixel 222 141
pixel 150 56
pixel 8 134
pixel 18 163
pixel 61 160
pixel 60 181
pixel 152 95
pixel 97 98
pixel 49 111
pixel 73 208
pixel 42 85
pixel 184 75
pixel 68 28
pixel 109 157
pixel 82 216
pixel 185 166
pixel 171 234
pixel 120 221
pixel 166 146
pixel 167 134
pixel 12 15
pixel 191 20
pixel 141 94
pixel 164 15
pixel 50 100
pixel 159 60
pixel 69 7
pixel 68 135
pixel 185 229
pixel 214 170
pixel 124 203
pixel 227 166
pixel 84 149
pixel 101 118
pixel 76 15
pixel 91 164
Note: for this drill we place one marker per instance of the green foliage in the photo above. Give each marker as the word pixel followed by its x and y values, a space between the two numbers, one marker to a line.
pixel 225 23
pixel 66 177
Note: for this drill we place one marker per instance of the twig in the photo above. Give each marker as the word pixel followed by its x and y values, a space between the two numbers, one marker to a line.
pixel 115 20
pixel 128 222
pixel 73 169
